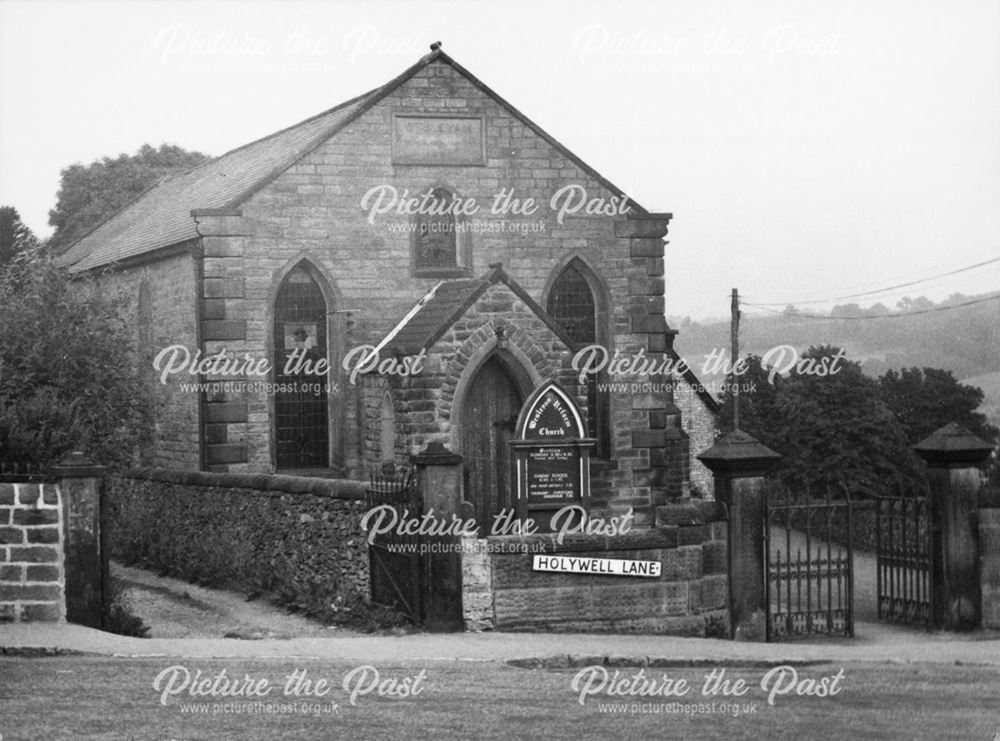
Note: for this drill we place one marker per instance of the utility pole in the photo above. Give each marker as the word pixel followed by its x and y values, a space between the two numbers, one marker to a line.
pixel 734 336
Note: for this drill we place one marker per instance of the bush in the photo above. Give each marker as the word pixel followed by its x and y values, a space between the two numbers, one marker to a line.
pixel 69 379
pixel 117 616
pixel 826 525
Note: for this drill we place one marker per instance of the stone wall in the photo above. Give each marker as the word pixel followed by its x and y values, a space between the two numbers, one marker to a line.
pixel 429 403
pixel 989 566
pixel 312 211
pixel 169 318
pixel 32 578
pixel 700 424
pixel 501 591
pixel 296 539
pixel 374 390
pixel 220 294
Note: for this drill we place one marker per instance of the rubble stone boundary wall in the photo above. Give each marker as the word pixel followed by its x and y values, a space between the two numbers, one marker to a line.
pixel 297 540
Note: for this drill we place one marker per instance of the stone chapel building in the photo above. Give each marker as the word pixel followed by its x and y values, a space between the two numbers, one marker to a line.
pixel 382 236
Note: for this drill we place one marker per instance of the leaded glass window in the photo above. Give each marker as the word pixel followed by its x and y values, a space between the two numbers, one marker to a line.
pixel 572 304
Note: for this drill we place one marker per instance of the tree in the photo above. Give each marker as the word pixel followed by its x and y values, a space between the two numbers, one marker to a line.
pixel 68 375
pixel 842 310
pixel 838 431
pixel 758 402
pixel 924 400
pixel 921 303
pixel 15 236
pixel 831 429
pixel 89 194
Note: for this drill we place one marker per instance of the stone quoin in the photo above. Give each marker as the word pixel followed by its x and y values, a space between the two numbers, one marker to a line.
pixel 405 273
pixel 427 218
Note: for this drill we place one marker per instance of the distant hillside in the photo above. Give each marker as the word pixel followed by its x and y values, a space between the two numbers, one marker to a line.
pixel 964 339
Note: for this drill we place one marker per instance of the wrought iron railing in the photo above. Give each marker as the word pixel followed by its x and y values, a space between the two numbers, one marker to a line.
pixel 905 580
pixel 20 472
pixel 810 575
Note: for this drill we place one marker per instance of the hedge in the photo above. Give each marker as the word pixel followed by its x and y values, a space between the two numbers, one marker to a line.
pixel 296 540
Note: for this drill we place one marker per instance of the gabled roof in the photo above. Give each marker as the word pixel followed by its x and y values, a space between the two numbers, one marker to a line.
pixel 445 304
pixel 688 375
pixel 442 306
pixel 163 216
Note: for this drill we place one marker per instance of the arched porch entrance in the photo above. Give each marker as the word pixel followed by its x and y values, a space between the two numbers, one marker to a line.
pixel 489 412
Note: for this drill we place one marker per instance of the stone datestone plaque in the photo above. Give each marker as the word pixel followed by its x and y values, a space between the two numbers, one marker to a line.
pixel 552 453
pixel 437 140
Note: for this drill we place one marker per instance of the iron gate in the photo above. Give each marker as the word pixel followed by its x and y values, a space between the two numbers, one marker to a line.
pixel 395 561
pixel 810 572
pixel 905 578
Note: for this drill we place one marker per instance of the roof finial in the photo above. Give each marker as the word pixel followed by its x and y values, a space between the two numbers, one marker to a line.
pixel 435 46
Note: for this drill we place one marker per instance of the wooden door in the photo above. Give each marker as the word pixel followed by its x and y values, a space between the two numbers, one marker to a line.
pixel 489 414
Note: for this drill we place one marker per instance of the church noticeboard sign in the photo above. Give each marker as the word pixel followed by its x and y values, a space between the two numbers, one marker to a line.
pixel 551 451
pixel 553 474
pixel 437 140
pixel 550 414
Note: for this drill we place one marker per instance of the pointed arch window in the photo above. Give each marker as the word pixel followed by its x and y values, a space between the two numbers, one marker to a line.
pixel 571 302
pixel 387 432
pixel 300 400
pixel 574 302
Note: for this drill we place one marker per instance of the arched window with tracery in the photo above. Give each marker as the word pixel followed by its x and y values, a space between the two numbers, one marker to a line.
pixel 300 400
pixel 573 301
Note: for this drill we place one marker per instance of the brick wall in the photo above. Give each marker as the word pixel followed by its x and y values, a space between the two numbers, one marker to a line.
pixel 32 578
pixel 500 590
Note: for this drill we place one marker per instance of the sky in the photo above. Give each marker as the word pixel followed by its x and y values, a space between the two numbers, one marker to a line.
pixel 808 151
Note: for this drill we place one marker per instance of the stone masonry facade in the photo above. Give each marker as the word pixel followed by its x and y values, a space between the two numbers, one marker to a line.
pixel 700 425
pixel 163 313
pixel 501 590
pixel 426 403
pixel 32 578
pixel 218 293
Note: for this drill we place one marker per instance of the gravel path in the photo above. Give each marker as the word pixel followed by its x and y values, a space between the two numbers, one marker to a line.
pixel 177 609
